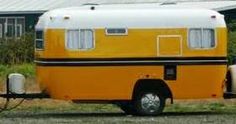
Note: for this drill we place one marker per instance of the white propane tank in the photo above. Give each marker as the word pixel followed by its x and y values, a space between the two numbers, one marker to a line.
pixel 16 83
pixel 232 69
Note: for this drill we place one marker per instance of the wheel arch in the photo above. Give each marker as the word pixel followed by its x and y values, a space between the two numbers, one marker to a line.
pixel 152 84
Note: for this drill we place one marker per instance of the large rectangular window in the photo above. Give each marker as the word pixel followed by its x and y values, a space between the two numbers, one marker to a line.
pixel 202 38
pixel 82 39
pixel 12 27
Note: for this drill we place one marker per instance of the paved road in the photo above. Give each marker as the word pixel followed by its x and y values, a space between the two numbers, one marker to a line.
pixel 117 118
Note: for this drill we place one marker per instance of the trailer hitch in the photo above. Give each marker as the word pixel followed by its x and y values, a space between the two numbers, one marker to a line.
pixel 25 96
pixel 8 95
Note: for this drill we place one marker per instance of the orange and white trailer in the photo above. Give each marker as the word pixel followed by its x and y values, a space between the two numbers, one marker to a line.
pixel 135 56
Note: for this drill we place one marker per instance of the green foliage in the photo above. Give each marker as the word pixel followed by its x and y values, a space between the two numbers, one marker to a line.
pixel 231 46
pixel 232 25
pixel 26 69
pixel 17 51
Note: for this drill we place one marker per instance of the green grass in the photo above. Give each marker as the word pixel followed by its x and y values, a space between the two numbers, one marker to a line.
pixel 41 106
pixel 26 69
pixel 202 107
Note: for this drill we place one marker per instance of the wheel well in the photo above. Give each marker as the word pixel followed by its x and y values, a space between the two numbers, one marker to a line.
pixel 153 84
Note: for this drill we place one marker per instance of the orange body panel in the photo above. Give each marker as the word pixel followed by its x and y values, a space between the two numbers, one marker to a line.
pixel 116 83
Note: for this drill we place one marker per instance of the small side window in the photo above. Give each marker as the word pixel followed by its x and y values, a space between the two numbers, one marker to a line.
pixel 116 31
pixel 39 40
pixel 202 38
pixel 82 39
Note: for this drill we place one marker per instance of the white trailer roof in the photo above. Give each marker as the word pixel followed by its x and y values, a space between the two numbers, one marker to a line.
pixel 40 6
pixel 130 16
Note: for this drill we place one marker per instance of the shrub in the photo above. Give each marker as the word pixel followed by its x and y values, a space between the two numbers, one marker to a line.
pixel 232 25
pixel 17 51
pixel 231 46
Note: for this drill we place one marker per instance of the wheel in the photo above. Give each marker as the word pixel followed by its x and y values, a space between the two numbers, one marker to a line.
pixel 149 103
pixel 127 107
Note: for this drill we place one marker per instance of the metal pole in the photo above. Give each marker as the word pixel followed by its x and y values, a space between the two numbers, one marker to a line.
pixel 7 87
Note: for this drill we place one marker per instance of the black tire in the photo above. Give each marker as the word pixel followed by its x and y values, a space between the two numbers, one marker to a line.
pixel 150 108
pixel 127 107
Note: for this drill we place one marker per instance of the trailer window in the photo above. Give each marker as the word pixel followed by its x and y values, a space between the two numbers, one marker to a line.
pixel 116 31
pixel 39 40
pixel 201 38
pixel 208 38
pixel 80 39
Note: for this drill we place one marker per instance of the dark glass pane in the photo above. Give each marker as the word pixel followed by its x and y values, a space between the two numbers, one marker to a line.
pixel 39 44
pixel 39 34
pixel 116 31
pixel 10 30
pixel 21 23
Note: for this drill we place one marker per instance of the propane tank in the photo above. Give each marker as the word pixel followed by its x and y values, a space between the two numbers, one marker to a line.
pixel 232 70
pixel 16 83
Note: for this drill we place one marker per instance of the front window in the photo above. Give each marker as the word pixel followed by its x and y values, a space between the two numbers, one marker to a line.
pixel 39 40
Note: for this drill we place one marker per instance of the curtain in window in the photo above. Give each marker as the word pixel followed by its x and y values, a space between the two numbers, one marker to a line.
pixel 195 38
pixel 73 39
pixel 208 39
pixel 86 39
pixel 80 39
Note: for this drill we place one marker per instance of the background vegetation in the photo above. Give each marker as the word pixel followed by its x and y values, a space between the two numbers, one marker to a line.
pixel 17 51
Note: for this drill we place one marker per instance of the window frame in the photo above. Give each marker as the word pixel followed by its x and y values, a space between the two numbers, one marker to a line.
pixel 43 40
pixel 116 34
pixel 210 48
pixel 79 49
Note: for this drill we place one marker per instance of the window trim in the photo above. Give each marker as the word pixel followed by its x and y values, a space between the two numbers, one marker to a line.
pixel 169 36
pixel 43 39
pixel 215 36
pixel 66 39
pixel 117 34
pixel 1 32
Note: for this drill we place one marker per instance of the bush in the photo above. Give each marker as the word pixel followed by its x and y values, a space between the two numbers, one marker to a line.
pixel 17 51
pixel 231 46
pixel 232 25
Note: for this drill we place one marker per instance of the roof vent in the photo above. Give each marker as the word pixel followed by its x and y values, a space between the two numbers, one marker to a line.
pixel 168 3
pixel 92 7
pixel 90 4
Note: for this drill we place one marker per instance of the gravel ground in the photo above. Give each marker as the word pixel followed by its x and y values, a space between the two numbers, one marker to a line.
pixel 117 118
